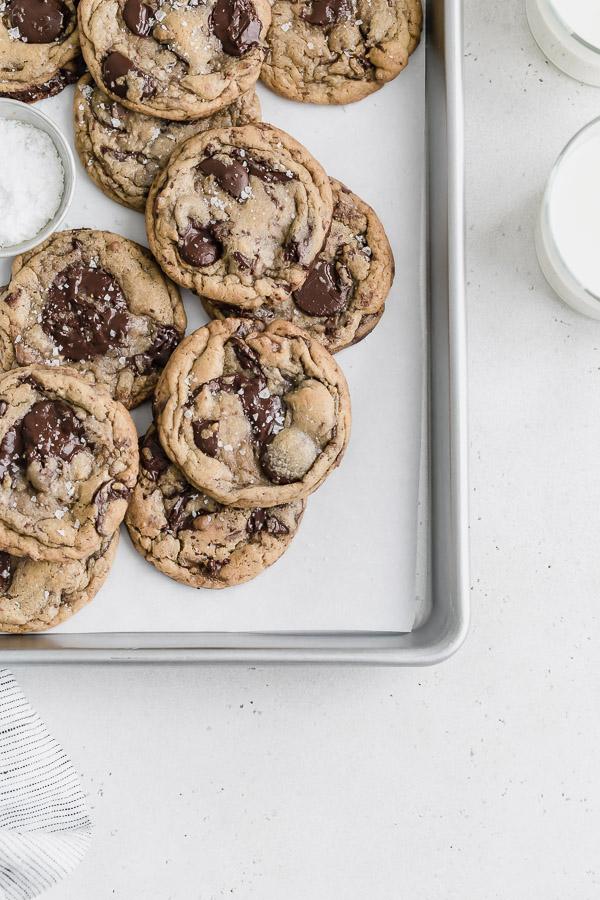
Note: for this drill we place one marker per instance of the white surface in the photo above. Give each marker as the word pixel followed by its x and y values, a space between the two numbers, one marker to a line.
pixel 343 531
pixel 477 780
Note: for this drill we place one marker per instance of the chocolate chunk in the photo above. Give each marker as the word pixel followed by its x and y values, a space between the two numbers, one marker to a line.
pixel 263 410
pixel 232 176
pixel 206 436
pixel 107 493
pixel 236 25
pixel 115 69
pixel 246 356
pixel 51 430
pixel 85 313
pixel 6 571
pixel 11 450
pixel 153 458
pixel 213 567
pixel 264 172
pixel 198 246
pixel 139 17
pixel 178 519
pixel 321 294
pixel 71 73
pixel 38 21
pixel 259 520
pixel 157 355
pixel 327 12
pixel 243 262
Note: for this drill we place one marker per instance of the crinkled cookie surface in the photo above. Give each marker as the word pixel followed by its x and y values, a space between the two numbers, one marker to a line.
pixel 339 51
pixel 39 41
pixel 182 60
pixel 122 151
pixel 239 214
pixel 96 302
pixel 193 538
pixel 68 463
pixel 37 594
pixel 344 296
pixel 254 415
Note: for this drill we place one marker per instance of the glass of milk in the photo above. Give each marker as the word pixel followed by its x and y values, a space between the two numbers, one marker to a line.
pixel 568 227
pixel 568 32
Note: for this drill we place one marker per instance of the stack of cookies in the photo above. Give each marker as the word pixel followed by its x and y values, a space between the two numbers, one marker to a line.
pixel 184 60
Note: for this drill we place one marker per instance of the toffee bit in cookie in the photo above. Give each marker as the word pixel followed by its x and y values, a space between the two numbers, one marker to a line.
pixel 231 176
pixel 115 70
pixel 85 313
pixel 38 21
pixel 235 24
pixel 139 17
pixel 198 246
pixel 322 294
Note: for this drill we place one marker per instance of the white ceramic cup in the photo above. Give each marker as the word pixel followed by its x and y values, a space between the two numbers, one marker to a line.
pixel 567 235
pixel 568 33
pixel 21 112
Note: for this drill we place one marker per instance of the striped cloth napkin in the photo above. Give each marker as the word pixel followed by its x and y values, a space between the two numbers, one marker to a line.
pixel 45 829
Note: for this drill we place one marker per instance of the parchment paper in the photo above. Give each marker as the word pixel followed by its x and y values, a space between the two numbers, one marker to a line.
pixel 352 565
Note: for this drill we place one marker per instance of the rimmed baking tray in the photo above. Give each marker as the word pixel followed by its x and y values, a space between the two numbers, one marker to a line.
pixel 442 613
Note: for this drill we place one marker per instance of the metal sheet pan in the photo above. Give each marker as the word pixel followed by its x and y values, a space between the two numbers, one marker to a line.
pixel 442 619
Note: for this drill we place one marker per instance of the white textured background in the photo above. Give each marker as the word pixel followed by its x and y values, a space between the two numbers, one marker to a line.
pixel 474 781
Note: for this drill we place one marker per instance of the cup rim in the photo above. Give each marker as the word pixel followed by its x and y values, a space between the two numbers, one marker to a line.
pixel 594 125
pixel 66 156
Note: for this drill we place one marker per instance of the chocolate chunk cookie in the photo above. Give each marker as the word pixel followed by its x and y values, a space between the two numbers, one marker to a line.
pixel 39 43
pixel 36 594
pixel 254 415
pixel 339 51
pixel 344 296
pixel 196 540
pixel 68 463
pixel 239 215
pixel 96 302
pixel 122 151
pixel 179 59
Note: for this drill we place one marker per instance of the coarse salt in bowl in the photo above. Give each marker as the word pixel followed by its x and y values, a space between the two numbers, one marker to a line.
pixel 37 177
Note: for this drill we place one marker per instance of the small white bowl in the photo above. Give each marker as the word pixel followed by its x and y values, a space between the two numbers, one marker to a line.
pixel 15 109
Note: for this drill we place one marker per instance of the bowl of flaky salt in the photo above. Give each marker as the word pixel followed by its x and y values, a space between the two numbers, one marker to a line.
pixel 37 177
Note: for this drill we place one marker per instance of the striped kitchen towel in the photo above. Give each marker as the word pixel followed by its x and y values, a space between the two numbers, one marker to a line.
pixel 44 825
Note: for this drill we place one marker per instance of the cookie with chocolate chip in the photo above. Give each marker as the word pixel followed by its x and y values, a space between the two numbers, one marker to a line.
pixel 96 302
pixel 344 296
pixel 122 151
pixel 239 215
pixel 37 594
pixel 255 415
pixel 68 463
pixel 193 538
pixel 178 59
pixel 339 51
pixel 39 47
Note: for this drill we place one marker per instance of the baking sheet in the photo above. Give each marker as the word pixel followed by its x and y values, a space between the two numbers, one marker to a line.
pixel 352 565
